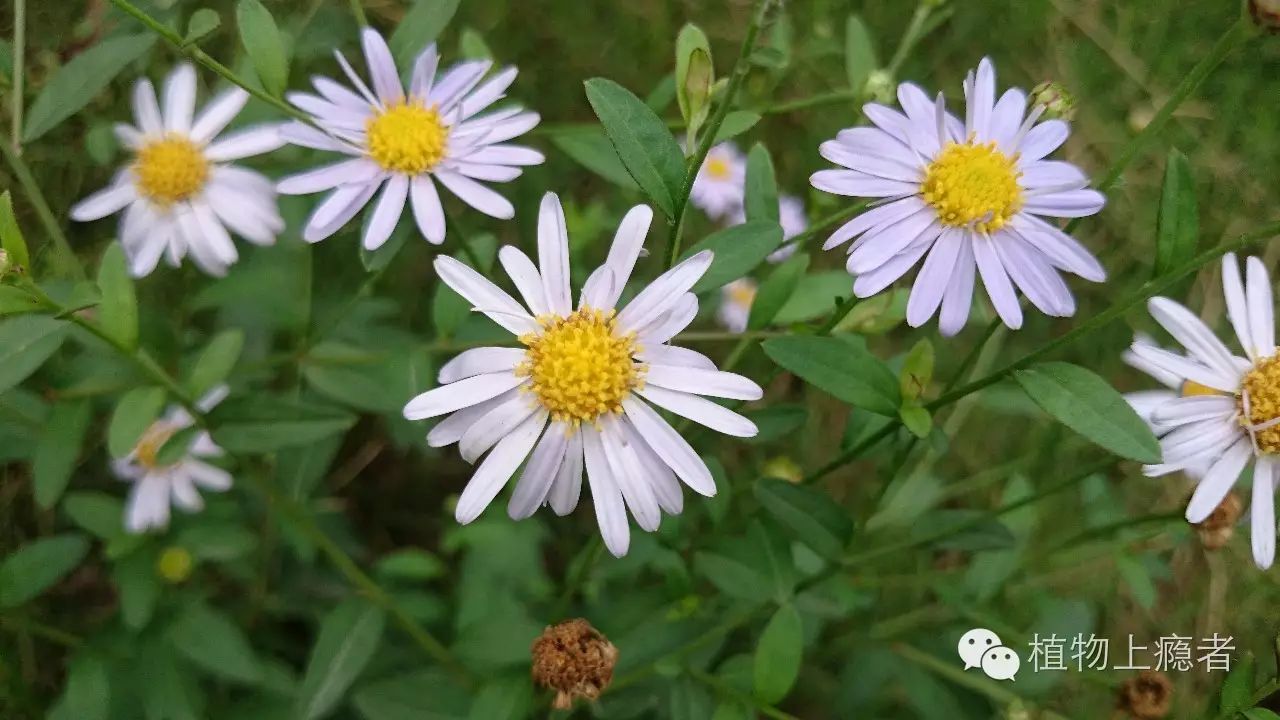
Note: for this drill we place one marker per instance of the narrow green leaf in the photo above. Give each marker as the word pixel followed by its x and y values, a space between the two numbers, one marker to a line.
pixel 503 699
pixel 729 575
pixel 736 123
pixel 15 301
pixel 218 541
pixel 262 41
pixel 1087 404
pixel 1237 688
pixel 133 415
pixel 1178 223
pixel 419 695
pixel 410 564
pixel 808 515
pixel 268 423
pixel 840 367
pixel 642 141
pixel 761 192
pixel 689 700
pixel 201 23
pixel 1259 714
pixel 11 240
pixel 118 312
pixel 215 643
pixel 58 449
pixel 138 586
pixel 177 446
pixel 592 150
pixel 80 81
pixel 776 290
pixel 419 27
pixel 917 370
pixel 87 692
pixel 36 566
pixel 348 637
pixel 777 658
pixel 472 46
pixel 738 250
pixel 859 53
pixel 99 513
pixel 26 341
pixel 215 363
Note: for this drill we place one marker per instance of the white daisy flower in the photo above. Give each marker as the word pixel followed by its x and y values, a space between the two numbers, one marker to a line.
pixel 180 195
pixel 578 394
pixel 735 304
pixel 405 141
pixel 966 195
pixel 156 486
pixel 718 189
pixel 1226 413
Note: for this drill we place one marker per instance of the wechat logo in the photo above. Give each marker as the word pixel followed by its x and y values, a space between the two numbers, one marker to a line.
pixel 981 648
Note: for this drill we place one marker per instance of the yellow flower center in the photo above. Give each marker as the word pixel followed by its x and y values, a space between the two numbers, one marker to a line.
pixel 973 185
pixel 580 367
pixel 175 565
pixel 742 294
pixel 171 169
pixel 151 442
pixel 1191 388
pixel 407 137
pixel 718 168
pixel 1262 384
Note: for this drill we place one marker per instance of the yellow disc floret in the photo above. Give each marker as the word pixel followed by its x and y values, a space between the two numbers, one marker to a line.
pixel 407 137
pixel 170 169
pixel 1262 385
pixel 973 185
pixel 580 366
pixel 718 168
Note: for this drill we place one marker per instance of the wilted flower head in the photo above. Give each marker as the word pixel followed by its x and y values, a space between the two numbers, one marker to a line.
pixel 1146 696
pixel 575 660
pixel 1216 530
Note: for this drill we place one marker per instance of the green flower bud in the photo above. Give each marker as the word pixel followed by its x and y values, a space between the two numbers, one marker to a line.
pixel 880 87
pixel 1056 101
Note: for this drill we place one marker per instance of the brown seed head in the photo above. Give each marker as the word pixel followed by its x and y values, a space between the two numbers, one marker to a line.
pixel 1216 530
pixel 575 660
pixel 1146 696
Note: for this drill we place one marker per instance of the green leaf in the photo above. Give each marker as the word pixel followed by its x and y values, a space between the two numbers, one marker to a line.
pixel 118 312
pixel 348 637
pixel 729 575
pixel 15 301
pixel 58 449
pixel 138 587
pixel 859 54
pixel 215 363
pixel 1259 714
pixel 840 367
pixel 80 81
pixel 359 379
pixel 777 658
pixel 916 419
pixel 262 41
pixel 264 424
pixel 36 566
pixel 738 249
pixel 917 370
pixel 472 46
pixel 419 695
pixel 99 513
pixel 201 23
pixel 736 123
pixel 776 290
pixel 215 643
pixel 642 141
pixel 592 150
pixel 1085 403
pixel 133 415
pixel 11 240
pixel 218 541
pixel 410 564
pixel 87 693
pixel 808 515
pixel 816 296
pixel 761 189
pixel 503 699
pixel 689 700
pixel 1237 689
pixel 419 27
pixel 767 57
pixel 26 341
pixel 1178 223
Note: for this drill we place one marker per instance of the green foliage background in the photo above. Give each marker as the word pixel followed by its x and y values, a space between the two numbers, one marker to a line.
pixel 435 620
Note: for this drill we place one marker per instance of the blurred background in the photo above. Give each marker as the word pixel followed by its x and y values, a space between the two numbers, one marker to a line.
pixel 1109 557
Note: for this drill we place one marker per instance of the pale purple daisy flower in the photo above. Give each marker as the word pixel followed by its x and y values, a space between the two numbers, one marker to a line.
pixel 405 141
pixel 965 197
pixel 718 188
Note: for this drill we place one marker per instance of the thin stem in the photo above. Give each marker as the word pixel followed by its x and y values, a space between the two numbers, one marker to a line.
pixel 357 9
pixel 65 257
pixel 200 56
pixel 19 59
pixel 712 127
pixel 835 97
pixel 910 37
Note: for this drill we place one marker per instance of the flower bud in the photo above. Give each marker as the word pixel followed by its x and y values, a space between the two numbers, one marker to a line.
pixel 174 565
pixel 1056 101
pixel 1146 696
pixel 783 468
pixel 1216 530
pixel 4 264
pixel 880 87
pixel 1266 13
pixel 575 660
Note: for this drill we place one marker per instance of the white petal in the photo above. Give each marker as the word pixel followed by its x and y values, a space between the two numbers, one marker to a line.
pixel 611 514
pixel 180 99
pixel 876 142
pixel 982 100
pixel 104 202
pixel 454 396
pixel 712 383
pixel 567 486
pixel 888 169
pixel 476 195
pixel 336 210
pixel 1042 140
pixel 1194 442
pixel 339 95
pixel 498 468
pixel 183 491
pixel 1146 402
pixel 958 297
pixel 424 72
pixel 484 295
pixel 525 276
pixel 387 212
pixel 675 320
pixel 540 472
pixel 668 445
pixel 327 177
pixel 1237 305
pixel 931 282
pixel 663 292
pixel 1216 483
pixel 1186 368
pixel 128 136
pixel 306 136
pixel 666 488
pixel 355 79
pixel 870 283
pixel 481 361
pixel 996 281
pixel 851 183
pixel 1162 376
pixel 598 288
pixel 208 477
pixel 1194 409
pixel 1062 249
pixel 625 466
pixel 880 244
pixel 628 241
pixel 1191 332
pixel 382 68
pixel 1262 530
pixel 146 111
pixel 487 173
pixel 553 255
pixel 672 355
pixel 456 82
pixel 148 505
pixel 1031 271
pixel 144 258
pixel 1052 174
pixel 495 425
pixel 489 92
pixel 1262 327
pixel 245 143
pixel 450 430
pixel 218 114
pixel 1067 204
pixel 890 121
pixel 427 211
pixel 704 412
pixel 886 214
pixel 1006 119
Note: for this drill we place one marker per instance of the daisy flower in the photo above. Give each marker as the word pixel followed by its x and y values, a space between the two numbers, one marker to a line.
pixel 963 196
pixel 404 141
pixel 718 189
pixel 580 392
pixel 1225 414
pixel 156 485
pixel 179 194
pixel 735 304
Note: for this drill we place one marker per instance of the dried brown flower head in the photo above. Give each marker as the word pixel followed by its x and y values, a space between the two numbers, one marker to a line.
pixel 1266 13
pixel 1216 530
pixel 1146 696
pixel 575 660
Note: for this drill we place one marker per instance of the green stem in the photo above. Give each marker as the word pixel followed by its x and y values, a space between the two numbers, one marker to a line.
pixel 203 58
pixel 357 9
pixel 19 58
pixel 910 37
pixel 712 127
pixel 65 257
pixel 835 97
